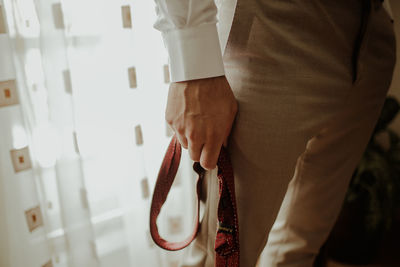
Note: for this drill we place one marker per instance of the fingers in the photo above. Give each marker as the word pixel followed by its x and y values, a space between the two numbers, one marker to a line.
pixel 182 139
pixel 195 149
pixel 196 141
pixel 209 155
pixel 201 149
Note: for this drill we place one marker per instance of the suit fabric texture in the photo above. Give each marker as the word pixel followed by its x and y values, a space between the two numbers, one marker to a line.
pixel 307 108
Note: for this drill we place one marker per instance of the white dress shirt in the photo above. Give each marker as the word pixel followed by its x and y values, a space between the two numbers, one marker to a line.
pixel 195 45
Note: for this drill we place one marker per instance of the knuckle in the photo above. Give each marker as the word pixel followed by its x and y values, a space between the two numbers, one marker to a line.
pixel 180 128
pixel 213 137
pixel 210 134
pixel 192 136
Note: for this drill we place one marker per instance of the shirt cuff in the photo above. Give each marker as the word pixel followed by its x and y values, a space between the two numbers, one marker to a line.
pixel 194 53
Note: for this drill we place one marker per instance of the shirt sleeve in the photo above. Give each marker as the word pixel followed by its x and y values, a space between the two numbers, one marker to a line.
pixel 190 35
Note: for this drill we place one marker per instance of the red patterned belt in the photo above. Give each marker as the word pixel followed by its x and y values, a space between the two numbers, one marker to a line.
pixel 227 239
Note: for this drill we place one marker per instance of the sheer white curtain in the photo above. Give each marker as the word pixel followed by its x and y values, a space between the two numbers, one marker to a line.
pixel 83 87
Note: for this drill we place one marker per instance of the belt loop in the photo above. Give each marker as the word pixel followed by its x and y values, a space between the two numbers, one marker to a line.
pixel 361 37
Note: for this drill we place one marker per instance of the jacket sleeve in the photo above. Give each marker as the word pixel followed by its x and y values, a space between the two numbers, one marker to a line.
pixel 189 32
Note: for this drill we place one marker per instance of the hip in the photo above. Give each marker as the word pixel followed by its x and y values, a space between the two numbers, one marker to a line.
pixel 282 39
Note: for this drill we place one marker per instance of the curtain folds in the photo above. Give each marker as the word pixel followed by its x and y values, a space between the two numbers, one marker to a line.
pixel 83 87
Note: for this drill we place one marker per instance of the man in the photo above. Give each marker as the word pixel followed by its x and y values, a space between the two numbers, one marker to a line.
pixel 297 92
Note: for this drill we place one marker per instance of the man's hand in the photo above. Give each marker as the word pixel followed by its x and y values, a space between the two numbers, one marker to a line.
pixel 201 112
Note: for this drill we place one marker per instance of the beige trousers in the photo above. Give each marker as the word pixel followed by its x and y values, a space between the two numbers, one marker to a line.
pixel 302 125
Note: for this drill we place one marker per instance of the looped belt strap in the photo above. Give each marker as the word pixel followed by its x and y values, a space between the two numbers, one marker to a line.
pixel 227 238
